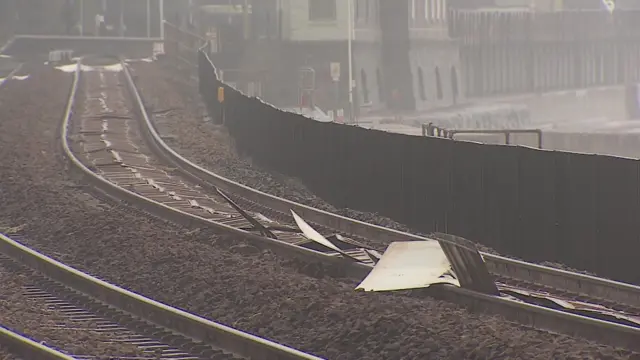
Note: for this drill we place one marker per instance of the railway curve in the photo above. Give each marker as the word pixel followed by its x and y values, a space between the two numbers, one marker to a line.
pixel 168 180
pixel 128 317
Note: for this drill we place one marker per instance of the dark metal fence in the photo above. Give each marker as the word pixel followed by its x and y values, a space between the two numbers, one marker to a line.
pixel 577 209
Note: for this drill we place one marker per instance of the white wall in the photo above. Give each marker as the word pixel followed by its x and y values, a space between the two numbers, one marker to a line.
pixel 367 57
pixel 298 27
pixel 428 56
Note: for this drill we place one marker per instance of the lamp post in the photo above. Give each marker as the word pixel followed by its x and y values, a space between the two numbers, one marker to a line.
pixel 81 17
pixel 350 58
pixel 245 19
pixel 148 18
pixel 161 19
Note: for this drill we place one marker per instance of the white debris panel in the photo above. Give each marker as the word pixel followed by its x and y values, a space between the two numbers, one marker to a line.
pixel 409 265
pixel 312 234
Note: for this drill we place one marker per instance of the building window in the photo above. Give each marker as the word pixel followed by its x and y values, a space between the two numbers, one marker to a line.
pixel 379 81
pixel 362 11
pixel 427 10
pixel 438 84
pixel 423 94
pixel 322 10
pixel 454 84
pixel 412 11
pixel 443 10
pixel 419 11
pixel 431 7
pixel 365 87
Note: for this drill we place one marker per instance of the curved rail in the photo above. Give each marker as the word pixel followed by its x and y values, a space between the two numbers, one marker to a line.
pixel 538 316
pixel 27 348
pixel 209 332
pixel 6 80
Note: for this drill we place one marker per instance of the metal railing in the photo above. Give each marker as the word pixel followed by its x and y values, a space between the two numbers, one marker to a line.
pixel 433 130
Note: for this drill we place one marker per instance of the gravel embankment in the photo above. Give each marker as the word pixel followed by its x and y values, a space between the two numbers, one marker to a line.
pixel 6 355
pixel 33 318
pixel 223 279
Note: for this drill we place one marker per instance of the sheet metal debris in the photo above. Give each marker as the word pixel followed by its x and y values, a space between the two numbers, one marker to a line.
pixel 468 265
pixel 311 234
pixel 409 265
pixel 572 306
pixel 255 223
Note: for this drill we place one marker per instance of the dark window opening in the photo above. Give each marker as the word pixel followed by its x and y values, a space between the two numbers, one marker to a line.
pixel 322 10
pixel 379 81
pixel 423 94
pixel 454 84
pixel 438 84
pixel 365 88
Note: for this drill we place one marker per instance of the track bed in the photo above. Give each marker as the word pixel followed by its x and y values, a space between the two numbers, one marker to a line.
pixel 224 279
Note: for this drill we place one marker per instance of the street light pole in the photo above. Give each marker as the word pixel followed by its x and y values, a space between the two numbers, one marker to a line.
pixel 245 19
pixel 161 19
pixel 81 17
pixel 148 18
pixel 350 57
pixel 121 18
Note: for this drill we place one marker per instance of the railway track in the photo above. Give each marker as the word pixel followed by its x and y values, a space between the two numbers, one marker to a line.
pixel 120 324
pixel 67 317
pixel 14 346
pixel 116 140
pixel 76 306
pixel 8 69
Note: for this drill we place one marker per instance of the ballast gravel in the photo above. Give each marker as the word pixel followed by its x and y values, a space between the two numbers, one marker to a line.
pixel 220 277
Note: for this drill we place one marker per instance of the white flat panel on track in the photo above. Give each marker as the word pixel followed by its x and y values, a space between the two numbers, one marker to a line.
pixel 409 265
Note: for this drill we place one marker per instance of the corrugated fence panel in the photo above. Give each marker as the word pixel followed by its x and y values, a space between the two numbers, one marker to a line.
pixel 617 222
pixel 500 183
pixel 576 209
pixel 434 158
pixel 537 232
pixel 467 199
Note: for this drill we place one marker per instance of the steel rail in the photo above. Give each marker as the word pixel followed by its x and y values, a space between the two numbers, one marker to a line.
pixel 10 75
pixel 209 332
pixel 528 314
pixel 206 331
pixel 26 348
pixel 7 44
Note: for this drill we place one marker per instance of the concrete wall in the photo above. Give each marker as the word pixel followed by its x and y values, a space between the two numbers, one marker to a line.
pixel 298 27
pixel 589 121
pixel 367 58
pixel 572 105
pixel 281 61
pixel 429 56
pixel 614 144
